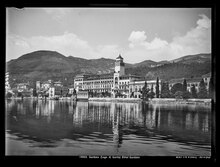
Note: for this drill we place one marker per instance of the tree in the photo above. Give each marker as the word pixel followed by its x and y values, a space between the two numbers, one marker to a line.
pixel 168 90
pixel 165 92
pixel 15 91
pixel 118 94
pixel 145 91
pixel 184 85
pixel 107 94
pixel 157 88
pixel 90 93
pixel 177 87
pixel 151 94
pixel 179 95
pixel 34 92
pixel 193 91
pixel 132 95
pixel 202 90
pixel 211 87
pixel 19 94
pixel 186 95
pixel 8 95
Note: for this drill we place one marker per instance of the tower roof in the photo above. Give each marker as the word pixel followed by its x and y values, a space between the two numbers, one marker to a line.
pixel 119 57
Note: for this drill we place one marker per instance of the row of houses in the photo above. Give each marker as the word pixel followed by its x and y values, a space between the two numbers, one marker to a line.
pixel 53 89
pixel 113 83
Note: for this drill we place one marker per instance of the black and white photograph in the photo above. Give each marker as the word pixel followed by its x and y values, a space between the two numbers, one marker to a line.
pixel 109 83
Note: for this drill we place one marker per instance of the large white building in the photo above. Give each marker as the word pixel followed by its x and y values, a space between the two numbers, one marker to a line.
pixel 114 83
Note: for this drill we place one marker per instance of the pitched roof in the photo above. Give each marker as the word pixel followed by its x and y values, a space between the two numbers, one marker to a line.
pixel 119 57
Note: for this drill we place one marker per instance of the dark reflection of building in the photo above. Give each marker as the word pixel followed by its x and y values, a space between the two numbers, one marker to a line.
pixel 182 122
pixel 93 116
pixel 60 119
pixel 80 113
pixel 42 120
pixel 117 134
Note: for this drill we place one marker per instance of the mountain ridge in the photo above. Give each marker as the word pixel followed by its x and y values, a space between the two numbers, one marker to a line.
pixel 44 65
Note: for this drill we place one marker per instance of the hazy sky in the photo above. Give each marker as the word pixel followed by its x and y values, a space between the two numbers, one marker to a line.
pixel 137 34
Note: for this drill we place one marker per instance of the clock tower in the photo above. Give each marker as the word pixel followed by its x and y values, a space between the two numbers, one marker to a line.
pixel 119 71
pixel 119 65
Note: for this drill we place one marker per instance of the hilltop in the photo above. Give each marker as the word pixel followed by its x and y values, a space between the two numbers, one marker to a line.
pixel 43 65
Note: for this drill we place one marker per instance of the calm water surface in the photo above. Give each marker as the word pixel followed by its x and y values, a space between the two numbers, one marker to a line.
pixel 36 127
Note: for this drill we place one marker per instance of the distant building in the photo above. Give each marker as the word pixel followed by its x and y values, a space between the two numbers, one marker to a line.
pixel 71 91
pixel 22 87
pixel 58 91
pixel 45 85
pixel 38 85
pixel 51 92
pixel 192 81
pixel 58 83
pixel 206 78
pixel 27 93
pixel 65 91
pixel 136 86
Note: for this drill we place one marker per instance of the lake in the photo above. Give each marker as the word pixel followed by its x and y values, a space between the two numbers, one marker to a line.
pixel 39 127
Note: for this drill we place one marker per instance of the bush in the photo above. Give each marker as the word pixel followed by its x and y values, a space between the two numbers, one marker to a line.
pixel 186 95
pixel 8 95
pixel 20 94
pixel 179 95
pixel 176 87
pixel 203 93
pixel 193 91
pixel 151 94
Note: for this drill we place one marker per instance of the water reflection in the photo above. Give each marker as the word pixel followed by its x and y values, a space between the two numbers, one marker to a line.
pixel 110 125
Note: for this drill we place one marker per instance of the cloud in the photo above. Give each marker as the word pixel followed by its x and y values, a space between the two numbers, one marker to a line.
pixel 156 43
pixel 205 22
pixel 196 40
pixel 66 44
pixel 138 38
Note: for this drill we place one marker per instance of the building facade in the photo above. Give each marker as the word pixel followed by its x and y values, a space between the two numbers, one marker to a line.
pixel 136 86
pixel 117 83
pixel 22 87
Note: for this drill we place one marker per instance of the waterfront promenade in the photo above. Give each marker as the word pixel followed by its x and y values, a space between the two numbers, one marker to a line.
pixel 137 100
pixel 155 100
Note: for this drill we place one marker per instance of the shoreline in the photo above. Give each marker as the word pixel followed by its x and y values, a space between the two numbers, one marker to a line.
pixel 134 100
pixel 180 101
pixel 131 100
pixel 155 100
